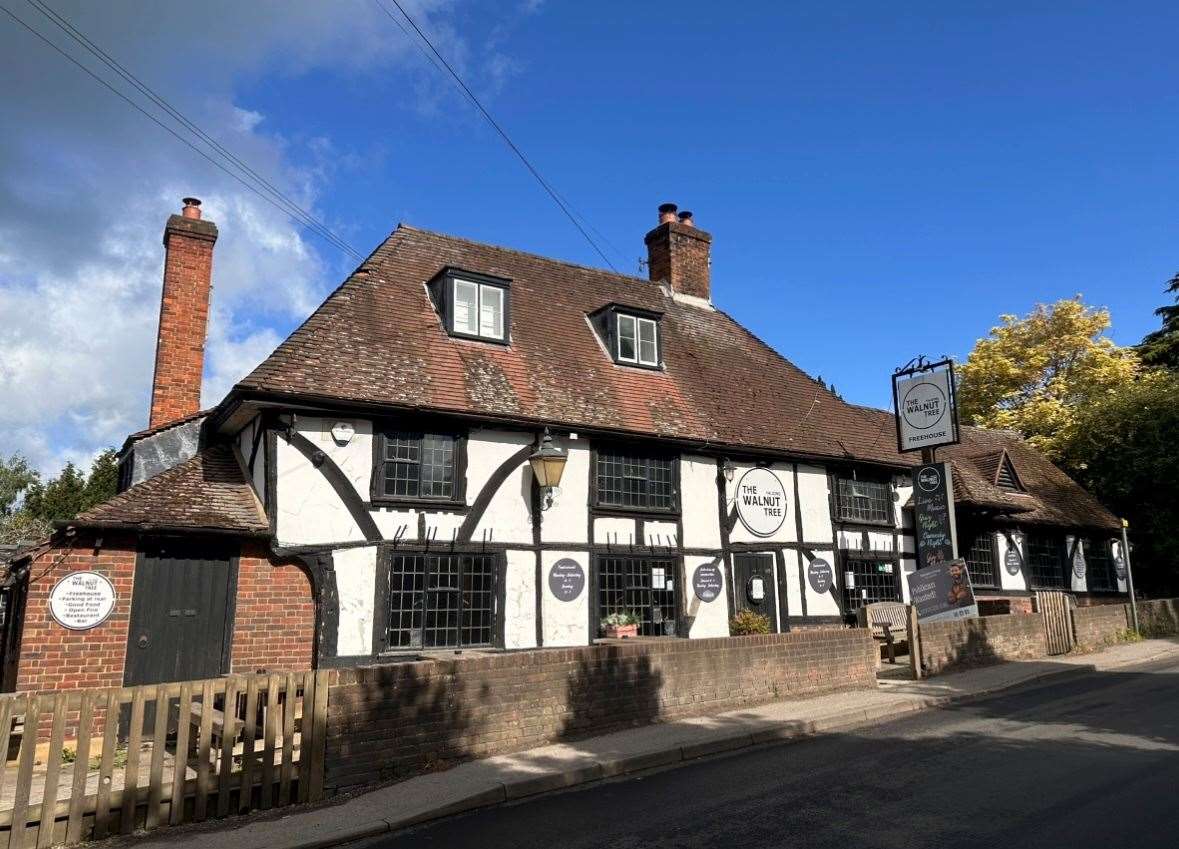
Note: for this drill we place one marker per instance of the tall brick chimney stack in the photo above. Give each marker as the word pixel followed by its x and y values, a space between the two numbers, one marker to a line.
pixel 184 314
pixel 678 253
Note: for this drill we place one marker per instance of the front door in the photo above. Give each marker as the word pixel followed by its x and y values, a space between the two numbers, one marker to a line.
pixel 180 613
pixel 753 585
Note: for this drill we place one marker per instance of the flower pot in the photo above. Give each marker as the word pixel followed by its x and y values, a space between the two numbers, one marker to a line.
pixel 618 632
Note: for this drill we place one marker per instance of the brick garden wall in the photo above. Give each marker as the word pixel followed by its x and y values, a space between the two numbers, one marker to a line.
pixel 399 720
pixel 1100 624
pixel 979 642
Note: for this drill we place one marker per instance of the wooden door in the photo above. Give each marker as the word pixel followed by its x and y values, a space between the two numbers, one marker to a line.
pixel 753 585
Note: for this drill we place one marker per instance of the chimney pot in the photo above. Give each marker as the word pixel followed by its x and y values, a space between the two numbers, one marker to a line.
pixel 192 208
pixel 686 219
pixel 667 213
pixel 678 254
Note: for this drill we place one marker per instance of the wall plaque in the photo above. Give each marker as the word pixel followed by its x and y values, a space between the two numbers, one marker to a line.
pixel 566 579
pixel 1011 558
pixel 820 575
pixel 761 502
pixel 1079 560
pixel 707 582
pixel 1120 566
pixel 81 600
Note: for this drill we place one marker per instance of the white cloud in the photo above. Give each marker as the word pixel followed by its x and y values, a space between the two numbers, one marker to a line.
pixel 86 184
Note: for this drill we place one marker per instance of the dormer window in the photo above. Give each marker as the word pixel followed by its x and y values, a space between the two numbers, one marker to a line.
pixel 473 306
pixel 629 334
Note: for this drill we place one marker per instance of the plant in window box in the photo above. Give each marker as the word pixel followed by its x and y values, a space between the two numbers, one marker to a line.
pixel 748 622
pixel 617 626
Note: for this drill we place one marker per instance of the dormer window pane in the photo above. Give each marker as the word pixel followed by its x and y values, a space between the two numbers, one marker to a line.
pixel 466 307
pixel 648 349
pixel 491 312
pixel 626 338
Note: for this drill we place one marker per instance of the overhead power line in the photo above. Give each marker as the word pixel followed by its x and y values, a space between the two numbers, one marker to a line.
pixel 251 180
pixel 567 209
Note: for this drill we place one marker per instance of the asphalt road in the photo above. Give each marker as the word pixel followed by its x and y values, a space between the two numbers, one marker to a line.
pixel 1091 762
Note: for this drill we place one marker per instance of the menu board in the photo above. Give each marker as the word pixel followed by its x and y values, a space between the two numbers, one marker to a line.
pixel 933 501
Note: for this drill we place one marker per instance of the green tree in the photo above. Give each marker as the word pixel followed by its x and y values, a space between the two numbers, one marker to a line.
pixel 103 481
pixel 1161 348
pixel 70 493
pixel 1125 449
pixel 1033 374
pixel 15 477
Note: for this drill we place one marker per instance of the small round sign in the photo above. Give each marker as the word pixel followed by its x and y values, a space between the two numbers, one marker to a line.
pixel 924 405
pixel 566 579
pixel 707 582
pixel 820 575
pixel 761 502
pixel 1012 560
pixel 81 600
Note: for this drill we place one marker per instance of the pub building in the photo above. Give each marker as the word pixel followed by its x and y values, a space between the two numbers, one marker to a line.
pixel 468 447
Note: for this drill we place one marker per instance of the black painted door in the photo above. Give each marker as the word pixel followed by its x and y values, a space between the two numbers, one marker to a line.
pixel 181 613
pixel 753 585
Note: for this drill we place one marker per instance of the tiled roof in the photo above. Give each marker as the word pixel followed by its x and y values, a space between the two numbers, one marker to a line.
pixel 207 492
pixel 378 339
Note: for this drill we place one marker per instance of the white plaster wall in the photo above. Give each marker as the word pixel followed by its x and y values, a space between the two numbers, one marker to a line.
pixel 908 544
pixel 567 519
pixel 356 572
pixel 698 496
pixel 660 533
pixel 712 617
pixel 816 604
pixel 879 541
pixel 616 530
pixel 520 601
pixel 1008 581
pixel 508 517
pixel 815 504
pixel 565 623
pixel 788 532
pixel 790 585
pixel 308 509
pixel 908 567
pixel 903 487
pixel 851 540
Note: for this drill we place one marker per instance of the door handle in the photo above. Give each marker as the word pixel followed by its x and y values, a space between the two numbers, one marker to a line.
pixel 142 641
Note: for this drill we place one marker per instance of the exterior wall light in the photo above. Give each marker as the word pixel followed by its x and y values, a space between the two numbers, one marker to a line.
pixel 548 464
pixel 730 470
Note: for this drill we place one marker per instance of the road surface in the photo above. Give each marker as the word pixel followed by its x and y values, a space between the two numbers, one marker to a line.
pixel 1090 762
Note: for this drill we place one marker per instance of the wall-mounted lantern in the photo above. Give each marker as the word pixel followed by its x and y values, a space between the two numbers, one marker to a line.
pixel 730 470
pixel 548 464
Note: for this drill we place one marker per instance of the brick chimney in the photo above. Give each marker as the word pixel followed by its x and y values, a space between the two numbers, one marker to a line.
pixel 184 315
pixel 678 253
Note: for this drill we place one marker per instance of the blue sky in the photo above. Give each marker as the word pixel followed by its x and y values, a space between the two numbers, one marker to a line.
pixel 880 180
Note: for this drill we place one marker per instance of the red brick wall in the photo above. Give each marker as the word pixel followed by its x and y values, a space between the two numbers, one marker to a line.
pixel 1100 624
pixel 275 616
pixel 679 255
pixel 978 642
pixel 399 720
pixel 184 314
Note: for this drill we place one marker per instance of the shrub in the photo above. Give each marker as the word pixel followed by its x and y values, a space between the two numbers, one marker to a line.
pixel 748 622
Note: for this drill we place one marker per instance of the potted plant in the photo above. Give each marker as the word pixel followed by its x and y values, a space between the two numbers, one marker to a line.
pixel 618 626
pixel 748 622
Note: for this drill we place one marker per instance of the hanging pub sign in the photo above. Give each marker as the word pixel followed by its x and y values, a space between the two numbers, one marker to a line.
pixel 925 404
pixel 761 502
pixel 566 579
pixel 942 592
pixel 933 503
pixel 81 600
pixel 820 575
pixel 707 581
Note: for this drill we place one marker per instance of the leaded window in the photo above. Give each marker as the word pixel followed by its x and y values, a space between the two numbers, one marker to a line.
pixel 441 600
pixel 1045 561
pixel 642 586
pixel 978 550
pixel 418 465
pixel 864 501
pixel 869 581
pixel 634 480
pixel 1100 566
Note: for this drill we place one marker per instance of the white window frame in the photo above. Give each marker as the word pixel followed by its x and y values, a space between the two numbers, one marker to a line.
pixel 480 289
pixel 638 323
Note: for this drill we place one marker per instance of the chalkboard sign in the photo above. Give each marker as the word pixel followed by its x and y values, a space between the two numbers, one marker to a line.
pixel 707 582
pixel 566 579
pixel 1011 558
pixel 933 501
pixel 820 575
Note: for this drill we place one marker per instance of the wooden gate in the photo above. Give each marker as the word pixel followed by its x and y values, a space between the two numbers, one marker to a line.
pixel 1057 611
pixel 195 750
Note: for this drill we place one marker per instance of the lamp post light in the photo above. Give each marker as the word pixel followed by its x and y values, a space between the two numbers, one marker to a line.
pixel 548 464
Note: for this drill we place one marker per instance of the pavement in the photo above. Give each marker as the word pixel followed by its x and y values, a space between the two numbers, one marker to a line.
pixel 506 778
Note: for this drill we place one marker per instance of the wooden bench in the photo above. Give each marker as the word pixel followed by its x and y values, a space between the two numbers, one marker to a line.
pixel 886 620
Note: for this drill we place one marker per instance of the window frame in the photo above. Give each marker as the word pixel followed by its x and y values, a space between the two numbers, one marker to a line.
pixel 606 323
pixel 382 432
pixel 648 455
pixel 638 322
pixel 648 561
pixel 492 569
pixel 890 513
pixel 1057 546
pixel 968 535
pixel 443 288
pixel 1106 557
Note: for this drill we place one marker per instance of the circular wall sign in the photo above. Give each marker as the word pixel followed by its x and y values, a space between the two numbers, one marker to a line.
pixel 566 579
pixel 1012 560
pixel 81 600
pixel 707 582
pixel 820 575
pixel 761 502
pixel 924 405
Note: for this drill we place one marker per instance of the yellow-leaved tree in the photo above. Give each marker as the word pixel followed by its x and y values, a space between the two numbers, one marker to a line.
pixel 1035 373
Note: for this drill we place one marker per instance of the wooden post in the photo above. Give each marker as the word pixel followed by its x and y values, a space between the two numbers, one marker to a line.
pixel 913 633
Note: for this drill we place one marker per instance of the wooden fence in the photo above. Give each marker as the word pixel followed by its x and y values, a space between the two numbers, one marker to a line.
pixel 1057 610
pixel 157 755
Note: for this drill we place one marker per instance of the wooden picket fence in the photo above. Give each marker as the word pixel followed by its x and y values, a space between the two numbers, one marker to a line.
pixel 1057 610
pixel 157 755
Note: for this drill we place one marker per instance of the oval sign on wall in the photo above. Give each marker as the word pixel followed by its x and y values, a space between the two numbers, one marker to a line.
pixel 761 502
pixel 81 600
pixel 707 582
pixel 1079 561
pixel 566 579
pixel 1012 560
pixel 820 575
pixel 1120 566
